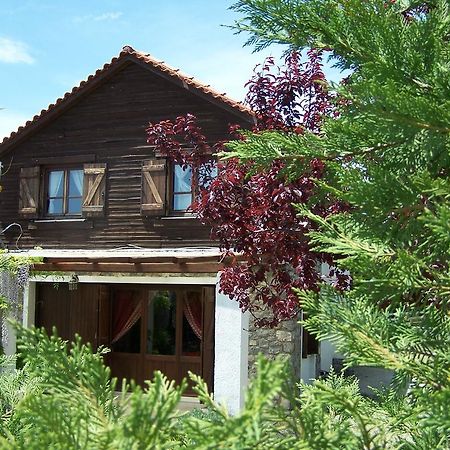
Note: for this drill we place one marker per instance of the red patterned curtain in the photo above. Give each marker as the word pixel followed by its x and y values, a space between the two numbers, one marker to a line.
pixel 192 309
pixel 127 311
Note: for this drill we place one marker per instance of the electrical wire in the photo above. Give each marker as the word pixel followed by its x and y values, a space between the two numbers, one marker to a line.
pixel 20 235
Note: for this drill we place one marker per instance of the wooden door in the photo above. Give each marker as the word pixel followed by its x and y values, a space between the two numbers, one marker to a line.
pixel 169 329
pixel 125 332
pixel 70 312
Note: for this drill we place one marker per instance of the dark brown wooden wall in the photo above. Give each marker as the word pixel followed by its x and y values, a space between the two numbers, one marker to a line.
pixel 110 123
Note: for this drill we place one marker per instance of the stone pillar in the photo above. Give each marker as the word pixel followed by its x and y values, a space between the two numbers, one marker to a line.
pixel 284 340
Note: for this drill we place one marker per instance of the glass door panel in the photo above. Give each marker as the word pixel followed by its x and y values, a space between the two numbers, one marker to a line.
pixel 127 314
pixel 161 322
pixel 192 326
pixel 155 328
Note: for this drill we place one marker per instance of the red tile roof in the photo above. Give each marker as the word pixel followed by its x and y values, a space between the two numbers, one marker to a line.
pixel 127 53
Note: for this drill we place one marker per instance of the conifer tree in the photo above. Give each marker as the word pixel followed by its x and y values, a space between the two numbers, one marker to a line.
pixel 387 156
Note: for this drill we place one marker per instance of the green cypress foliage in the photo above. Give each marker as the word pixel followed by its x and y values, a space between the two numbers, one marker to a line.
pixel 387 157
pixel 63 398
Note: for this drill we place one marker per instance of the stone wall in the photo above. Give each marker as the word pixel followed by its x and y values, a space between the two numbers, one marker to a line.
pixel 284 340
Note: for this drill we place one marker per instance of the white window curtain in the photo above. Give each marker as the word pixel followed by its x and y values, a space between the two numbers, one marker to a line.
pixel 56 184
pixel 77 179
pixel 182 179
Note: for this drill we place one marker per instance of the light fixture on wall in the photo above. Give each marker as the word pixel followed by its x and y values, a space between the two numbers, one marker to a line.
pixel 73 282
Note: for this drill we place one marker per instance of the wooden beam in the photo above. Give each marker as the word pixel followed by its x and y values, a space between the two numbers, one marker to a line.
pixel 131 259
pixel 123 267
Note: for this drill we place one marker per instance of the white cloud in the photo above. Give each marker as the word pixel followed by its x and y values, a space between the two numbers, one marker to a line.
pixel 99 18
pixel 10 121
pixel 108 16
pixel 14 52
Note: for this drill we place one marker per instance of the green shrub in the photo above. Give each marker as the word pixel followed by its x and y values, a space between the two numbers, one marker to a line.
pixel 64 398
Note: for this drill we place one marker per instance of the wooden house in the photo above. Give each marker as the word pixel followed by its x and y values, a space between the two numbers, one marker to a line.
pixel 105 211
pixel 108 217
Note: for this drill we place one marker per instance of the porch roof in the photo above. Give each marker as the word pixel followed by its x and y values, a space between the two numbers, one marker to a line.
pixel 134 260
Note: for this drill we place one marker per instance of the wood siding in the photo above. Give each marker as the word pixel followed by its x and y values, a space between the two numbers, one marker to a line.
pixel 107 126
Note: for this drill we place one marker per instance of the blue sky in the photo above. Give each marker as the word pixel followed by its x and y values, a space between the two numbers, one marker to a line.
pixel 49 46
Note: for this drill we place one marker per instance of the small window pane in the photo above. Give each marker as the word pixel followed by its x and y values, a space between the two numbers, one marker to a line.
pixel 74 206
pixel 182 180
pixel 55 206
pixel 206 174
pixel 56 183
pixel 75 183
pixel 126 321
pixel 161 326
pixel 181 202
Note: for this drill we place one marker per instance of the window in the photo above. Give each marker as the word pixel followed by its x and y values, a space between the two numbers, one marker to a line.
pixel 182 188
pixel 172 320
pixel 64 192
pixel 170 189
pixel 183 193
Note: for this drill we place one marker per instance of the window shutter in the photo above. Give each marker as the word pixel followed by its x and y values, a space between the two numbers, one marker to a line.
pixel 94 190
pixel 153 195
pixel 29 192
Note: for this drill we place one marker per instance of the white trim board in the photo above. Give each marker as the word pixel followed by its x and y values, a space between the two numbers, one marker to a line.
pixel 157 278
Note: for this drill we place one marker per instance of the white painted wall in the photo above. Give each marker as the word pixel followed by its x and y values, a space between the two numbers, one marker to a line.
pixel 157 278
pixel 9 339
pixel 29 304
pixel 231 353
pixel 327 353
pixel 308 369
pixel 231 329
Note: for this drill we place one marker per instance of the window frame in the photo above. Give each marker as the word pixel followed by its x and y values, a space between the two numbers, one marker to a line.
pixel 171 192
pixel 65 198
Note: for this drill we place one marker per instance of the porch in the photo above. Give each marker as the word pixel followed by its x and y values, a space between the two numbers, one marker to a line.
pixel 228 326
